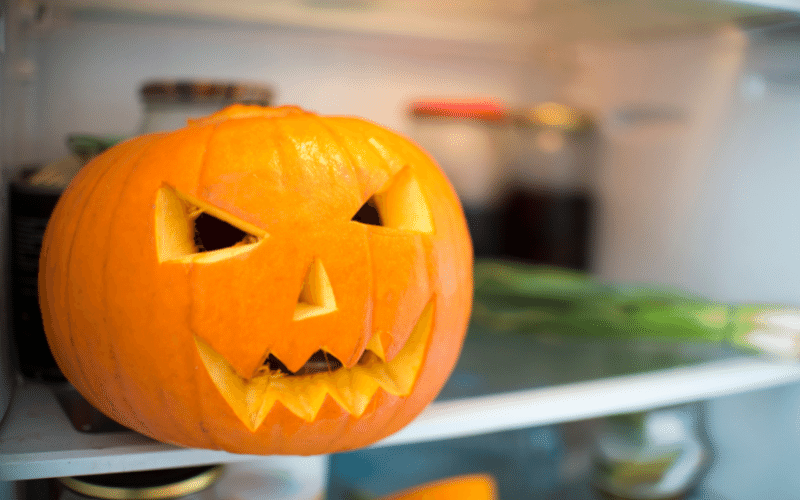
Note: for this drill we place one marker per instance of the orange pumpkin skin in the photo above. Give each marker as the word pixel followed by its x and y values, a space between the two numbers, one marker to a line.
pixel 466 487
pixel 171 341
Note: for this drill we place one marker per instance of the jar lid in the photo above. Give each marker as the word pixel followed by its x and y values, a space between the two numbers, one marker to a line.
pixel 198 91
pixel 154 484
pixel 483 109
pixel 555 115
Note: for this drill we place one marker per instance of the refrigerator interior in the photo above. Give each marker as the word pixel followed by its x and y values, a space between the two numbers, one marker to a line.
pixel 695 181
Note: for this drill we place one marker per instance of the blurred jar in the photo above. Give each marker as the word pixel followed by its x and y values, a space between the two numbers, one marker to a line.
pixel 167 105
pixel 654 455
pixel 550 202
pixel 32 195
pixel 469 140
pixel 188 483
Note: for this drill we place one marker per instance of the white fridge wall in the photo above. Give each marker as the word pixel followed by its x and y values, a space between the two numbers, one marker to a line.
pixel 698 180
pixel 91 70
pixel 752 241
pixel 751 250
pixel 701 192
pixel 661 105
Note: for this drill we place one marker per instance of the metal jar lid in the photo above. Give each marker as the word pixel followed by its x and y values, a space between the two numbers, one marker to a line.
pixel 553 115
pixel 155 484
pixel 199 91
pixel 478 109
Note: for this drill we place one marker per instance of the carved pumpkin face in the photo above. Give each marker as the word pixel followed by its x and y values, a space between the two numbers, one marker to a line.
pixel 264 281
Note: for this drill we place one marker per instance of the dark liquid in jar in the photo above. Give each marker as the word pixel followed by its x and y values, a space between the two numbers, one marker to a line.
pixel 29 211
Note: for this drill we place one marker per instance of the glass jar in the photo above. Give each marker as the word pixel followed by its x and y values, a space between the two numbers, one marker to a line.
pixel 167 104
pixel 32 195
pixel 468 139
pixel 189 483
pixel 550 204
pixel 653 455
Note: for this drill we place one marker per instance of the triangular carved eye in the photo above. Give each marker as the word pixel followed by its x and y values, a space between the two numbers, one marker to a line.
pixel 190 230
pixel 368 214
pixel 398 205
pixel 211 233
pixel 316 296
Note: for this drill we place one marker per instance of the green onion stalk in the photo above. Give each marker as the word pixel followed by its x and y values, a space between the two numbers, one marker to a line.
pixel 513 297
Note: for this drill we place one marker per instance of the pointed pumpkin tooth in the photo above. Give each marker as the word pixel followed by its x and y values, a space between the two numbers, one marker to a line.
pixel 380 373
pixel 260 400
pixel 248 399
pixel 347 356
pixel 405 366
pixel 336 385
pixel 364 389
pixel 299 395
pixel 403 369
pixel 375 345
pixel 353 390
pixel 403 378
pixel 293 358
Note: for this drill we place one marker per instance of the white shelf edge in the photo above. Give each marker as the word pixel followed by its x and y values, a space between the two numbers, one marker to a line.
pixel 441 420
pixel 592 399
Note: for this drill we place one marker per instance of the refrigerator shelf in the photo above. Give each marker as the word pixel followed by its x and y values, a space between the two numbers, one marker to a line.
pixel 514 24
pixel 500 383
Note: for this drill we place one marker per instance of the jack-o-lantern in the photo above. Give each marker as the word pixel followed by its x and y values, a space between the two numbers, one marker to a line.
pixel 262 281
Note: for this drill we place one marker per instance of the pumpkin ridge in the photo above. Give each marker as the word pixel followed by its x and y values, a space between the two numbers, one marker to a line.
pixel 202 170
pixel 66 275
pixel 104 269
pixel 89 199
pixel 84 383
pixel 337 139
pixel 282 148
pixel 67 280
pixel 381 152
pixel 373 297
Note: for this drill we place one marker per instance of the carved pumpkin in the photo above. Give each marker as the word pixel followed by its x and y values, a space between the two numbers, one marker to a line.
pixel 262 281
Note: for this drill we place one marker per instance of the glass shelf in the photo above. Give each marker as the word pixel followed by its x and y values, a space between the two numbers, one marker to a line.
pixel 501 383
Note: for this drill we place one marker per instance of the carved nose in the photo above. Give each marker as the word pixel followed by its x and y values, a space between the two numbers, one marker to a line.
pixel 316 295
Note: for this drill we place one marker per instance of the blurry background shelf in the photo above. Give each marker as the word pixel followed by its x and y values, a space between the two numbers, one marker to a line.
pixel 517 22
pixel 517 383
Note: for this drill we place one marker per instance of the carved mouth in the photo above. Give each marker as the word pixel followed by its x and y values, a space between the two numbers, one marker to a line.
pixel 319 362
pixel 303 392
